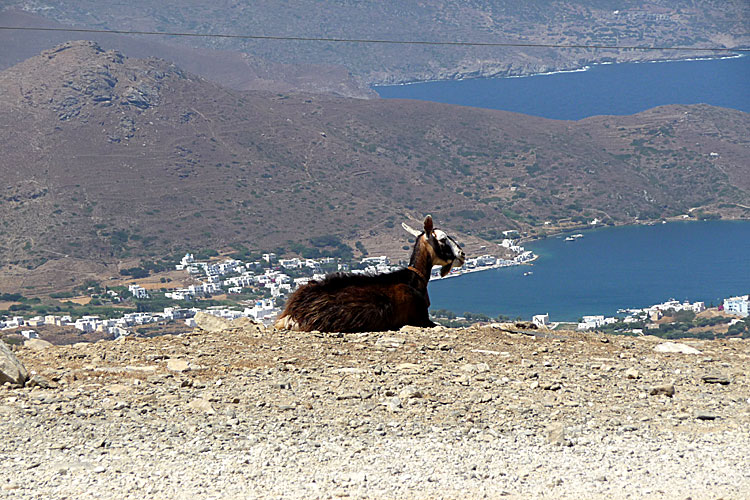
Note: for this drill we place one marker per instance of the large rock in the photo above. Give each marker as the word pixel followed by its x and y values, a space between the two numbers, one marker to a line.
pixel 210 323
pixel 676 348
pixel 37 344
pixel 214 324
pixel 11 369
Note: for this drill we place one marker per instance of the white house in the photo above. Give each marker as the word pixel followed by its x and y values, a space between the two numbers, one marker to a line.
pixel 269 257
pixel 35 321
pixel 595 322
pixel 486 260
pixel 262 309
pixel 138 291
pixel 737 305
pixel 382 259
pixel 541 319
pixel 293 263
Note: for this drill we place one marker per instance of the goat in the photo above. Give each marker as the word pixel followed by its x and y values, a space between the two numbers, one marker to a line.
pixel 347 302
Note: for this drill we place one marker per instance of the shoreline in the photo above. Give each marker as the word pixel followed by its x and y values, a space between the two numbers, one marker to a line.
pixel 587 227
pixel 483 268
pixel 581 69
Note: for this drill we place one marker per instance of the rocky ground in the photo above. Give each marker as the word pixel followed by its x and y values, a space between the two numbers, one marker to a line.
pixel 483 412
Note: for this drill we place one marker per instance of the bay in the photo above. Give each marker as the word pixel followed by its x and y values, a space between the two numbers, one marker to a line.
pixel 609 89
pixel 609 269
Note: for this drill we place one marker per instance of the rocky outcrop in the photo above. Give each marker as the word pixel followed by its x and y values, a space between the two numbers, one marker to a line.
pixel 11 369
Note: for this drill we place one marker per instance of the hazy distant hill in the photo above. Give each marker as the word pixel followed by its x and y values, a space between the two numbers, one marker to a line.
pixel 230 68
pixel 690 23
pixel 106 157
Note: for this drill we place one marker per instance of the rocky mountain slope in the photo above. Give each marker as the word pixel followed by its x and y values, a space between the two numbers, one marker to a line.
pixel 237 411
pixel 237 70
pixel 107 158
pixel 637 23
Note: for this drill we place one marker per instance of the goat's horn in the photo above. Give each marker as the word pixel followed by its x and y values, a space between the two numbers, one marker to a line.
pixel 410 230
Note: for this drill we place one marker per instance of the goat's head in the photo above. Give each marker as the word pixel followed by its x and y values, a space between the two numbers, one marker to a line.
pixel 444 250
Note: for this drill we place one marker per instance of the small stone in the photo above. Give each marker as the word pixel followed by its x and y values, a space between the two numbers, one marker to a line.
pixel 348 395
pixel 393 404
pixel 716 378
pixel 666 390
pixel 98 443
pixel 351 370
pixel 632 373
pixel 408 366
pixel 202 405
pixel 39 381
pixel 100 469
pixel 409 392
pixel 177 365
pixel 705 415
pixel 11 485
pixel 673 347
pixel 556 435
pixel 391 341
pixel 475 367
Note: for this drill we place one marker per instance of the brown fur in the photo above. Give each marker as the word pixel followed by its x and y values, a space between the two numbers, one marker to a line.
pixel 345 302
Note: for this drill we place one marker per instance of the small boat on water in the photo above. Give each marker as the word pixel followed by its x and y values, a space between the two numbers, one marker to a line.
pixel 574 237
pixel 527 273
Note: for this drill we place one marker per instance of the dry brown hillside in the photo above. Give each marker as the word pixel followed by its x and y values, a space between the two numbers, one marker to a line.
pixel 108 158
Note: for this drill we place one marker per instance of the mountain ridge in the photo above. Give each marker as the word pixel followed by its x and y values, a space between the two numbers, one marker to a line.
pixel 654 23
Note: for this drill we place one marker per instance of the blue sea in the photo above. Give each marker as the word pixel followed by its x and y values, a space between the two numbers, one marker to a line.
pixel 609 89
pixel 609 269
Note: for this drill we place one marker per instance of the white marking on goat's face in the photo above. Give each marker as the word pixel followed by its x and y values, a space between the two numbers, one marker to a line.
pixel 448 253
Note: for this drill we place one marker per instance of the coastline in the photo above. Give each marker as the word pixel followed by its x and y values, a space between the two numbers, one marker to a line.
pixel 573 229
pixel 460 271
pixel 580 69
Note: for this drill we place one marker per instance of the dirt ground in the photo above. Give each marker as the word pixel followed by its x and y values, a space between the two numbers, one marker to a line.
pixel 481 412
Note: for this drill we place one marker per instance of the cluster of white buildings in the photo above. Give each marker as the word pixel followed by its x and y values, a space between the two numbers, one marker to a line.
pixel 590 322
pixel 263 311
pixel 656 312
pixel 213 276
pixel 214 279
pixel 117 327
pixel 733 305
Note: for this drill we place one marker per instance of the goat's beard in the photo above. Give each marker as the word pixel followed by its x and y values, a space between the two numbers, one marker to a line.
pixel 446 269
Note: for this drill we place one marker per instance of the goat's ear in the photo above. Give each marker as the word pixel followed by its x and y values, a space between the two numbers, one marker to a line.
pixel 410 230
pixel 428 227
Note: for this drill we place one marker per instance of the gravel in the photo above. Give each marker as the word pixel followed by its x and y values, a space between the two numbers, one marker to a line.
pixel 423 413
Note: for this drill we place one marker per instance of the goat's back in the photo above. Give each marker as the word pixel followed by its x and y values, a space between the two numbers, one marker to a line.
pixel 350 303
